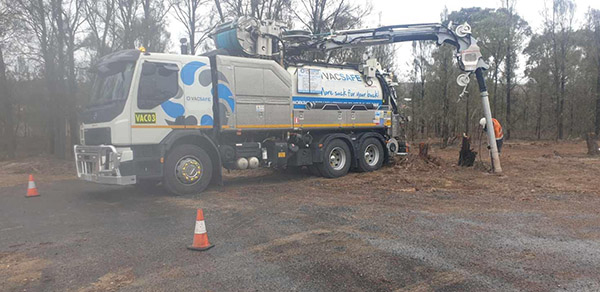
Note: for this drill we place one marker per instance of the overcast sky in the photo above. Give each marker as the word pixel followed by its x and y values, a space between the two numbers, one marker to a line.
pixel 401 12
pixel 420 11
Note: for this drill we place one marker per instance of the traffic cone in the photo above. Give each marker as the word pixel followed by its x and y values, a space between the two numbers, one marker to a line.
pixel 31 188
pixel 200 238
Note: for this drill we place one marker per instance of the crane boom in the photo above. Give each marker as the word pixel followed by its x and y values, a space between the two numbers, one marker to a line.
pixel 251 37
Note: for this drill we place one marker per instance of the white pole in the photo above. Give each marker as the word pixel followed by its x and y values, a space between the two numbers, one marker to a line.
pixel 497 168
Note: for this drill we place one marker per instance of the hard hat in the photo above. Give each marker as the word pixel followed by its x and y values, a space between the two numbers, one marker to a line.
pixel 482 122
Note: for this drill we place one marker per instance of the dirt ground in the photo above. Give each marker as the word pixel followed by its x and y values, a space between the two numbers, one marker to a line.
pixel 413 226
pixel 531 166
pixel 43 168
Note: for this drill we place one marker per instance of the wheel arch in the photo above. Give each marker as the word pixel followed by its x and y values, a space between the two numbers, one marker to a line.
pixel 180 137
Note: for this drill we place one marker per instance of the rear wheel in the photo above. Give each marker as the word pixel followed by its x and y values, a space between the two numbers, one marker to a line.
pixel 370 155
pixel 188 170
pixel 337 159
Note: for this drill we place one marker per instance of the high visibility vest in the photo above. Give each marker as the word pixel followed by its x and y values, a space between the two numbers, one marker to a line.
pixel 498 129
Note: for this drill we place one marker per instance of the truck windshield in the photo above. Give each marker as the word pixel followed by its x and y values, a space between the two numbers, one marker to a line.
pixel 111 82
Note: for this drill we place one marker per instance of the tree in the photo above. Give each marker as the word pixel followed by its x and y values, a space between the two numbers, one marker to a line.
pixel 35 16
pixel 320 16
pixel 6 98
pixel 421 53
pixel 593 27
pixel 152 31
pixel 559 25
pixel 187 12
pixel 260 9
pixel 100 20
pixel 127 17
pixel 516 30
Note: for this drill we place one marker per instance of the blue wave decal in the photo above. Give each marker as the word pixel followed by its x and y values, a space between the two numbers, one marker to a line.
pixel 189 71
pixel 206 120
pixel 172 109
pixel 225 94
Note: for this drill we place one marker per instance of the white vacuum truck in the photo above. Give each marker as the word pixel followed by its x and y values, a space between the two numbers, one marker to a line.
pixel 251 103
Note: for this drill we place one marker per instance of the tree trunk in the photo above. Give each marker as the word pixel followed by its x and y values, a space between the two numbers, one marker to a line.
pixel 467 114
pixel 538 126
pixel 424 151
pixel 467 156
pixel 495 78
pixel 219 10
pixel 7 111
pixel 597 124
pixel 508 89
pixel 72 91
pixel 509 69
pixel 62 92
pixel 592 144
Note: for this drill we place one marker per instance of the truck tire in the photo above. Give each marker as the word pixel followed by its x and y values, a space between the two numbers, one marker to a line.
pixel 370 155
pixel 337 159
pixel 188 170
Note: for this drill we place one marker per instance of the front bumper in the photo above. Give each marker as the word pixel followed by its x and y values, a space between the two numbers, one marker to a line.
pixel 100 164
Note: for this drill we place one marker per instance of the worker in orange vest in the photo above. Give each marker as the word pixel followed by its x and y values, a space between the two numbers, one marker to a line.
pixel 497 131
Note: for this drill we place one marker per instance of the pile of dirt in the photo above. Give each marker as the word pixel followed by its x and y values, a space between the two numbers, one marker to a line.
pixel 417 163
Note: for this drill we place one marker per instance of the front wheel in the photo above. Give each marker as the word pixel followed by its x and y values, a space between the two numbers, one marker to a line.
pixel 187 170
pixel 337 159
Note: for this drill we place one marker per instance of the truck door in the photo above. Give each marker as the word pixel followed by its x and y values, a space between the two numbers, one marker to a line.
pixel 196 80
pixel 157 106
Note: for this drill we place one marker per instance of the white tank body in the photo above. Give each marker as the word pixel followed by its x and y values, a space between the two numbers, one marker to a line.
pixel 330 85
pixel 333 97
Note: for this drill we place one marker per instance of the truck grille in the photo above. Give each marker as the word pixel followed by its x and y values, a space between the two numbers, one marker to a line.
pixel 97 136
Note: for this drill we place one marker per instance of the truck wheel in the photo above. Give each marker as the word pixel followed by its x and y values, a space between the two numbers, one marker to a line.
pixel 337 159
pixel 188 170
pixel 370 155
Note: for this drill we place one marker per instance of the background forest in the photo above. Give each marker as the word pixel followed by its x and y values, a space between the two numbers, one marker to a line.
pixel 544 83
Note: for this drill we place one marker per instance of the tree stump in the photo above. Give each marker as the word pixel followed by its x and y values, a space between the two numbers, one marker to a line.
pixel 467 155
pixel 592 144
pixel 424 151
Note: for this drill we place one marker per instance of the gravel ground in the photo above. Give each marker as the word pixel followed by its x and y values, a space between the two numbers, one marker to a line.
pixel 415 226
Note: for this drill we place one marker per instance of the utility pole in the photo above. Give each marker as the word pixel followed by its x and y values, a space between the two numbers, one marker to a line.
pixel 497 168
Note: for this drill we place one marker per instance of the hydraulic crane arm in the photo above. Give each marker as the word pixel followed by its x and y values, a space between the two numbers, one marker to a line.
pixel 251 37
pixel 469 54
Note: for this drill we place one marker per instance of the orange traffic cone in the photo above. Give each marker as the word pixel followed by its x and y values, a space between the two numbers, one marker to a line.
pixel 31 189
pixel 200 238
